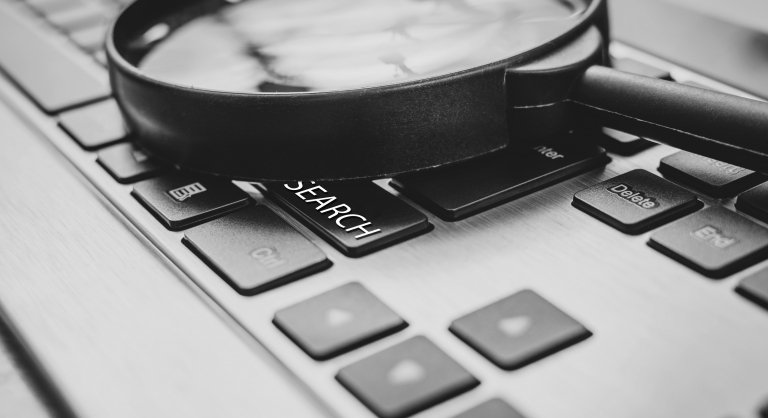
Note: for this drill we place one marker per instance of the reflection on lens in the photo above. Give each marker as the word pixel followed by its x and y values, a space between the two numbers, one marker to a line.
pixel 323 45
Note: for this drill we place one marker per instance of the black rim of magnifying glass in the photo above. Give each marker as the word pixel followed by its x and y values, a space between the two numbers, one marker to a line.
pixel 155 111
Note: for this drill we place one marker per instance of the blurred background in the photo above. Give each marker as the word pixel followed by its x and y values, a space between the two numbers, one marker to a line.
pixel 726 40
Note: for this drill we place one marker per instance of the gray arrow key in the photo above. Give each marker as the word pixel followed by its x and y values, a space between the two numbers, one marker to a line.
pixel 494 408
pixel 338 321
pixel 405 379
pixel 518 330
pixel 254 250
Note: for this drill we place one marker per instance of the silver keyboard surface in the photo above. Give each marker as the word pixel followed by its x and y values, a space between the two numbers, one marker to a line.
pixel 666 341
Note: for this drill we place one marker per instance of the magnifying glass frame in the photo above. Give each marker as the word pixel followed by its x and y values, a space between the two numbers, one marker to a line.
pixel 371 132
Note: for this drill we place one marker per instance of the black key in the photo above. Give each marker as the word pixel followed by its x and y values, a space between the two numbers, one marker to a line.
pixel 54 77
pixel 129 164
pixel 518 330
pixel 764 411
pixel 636 201
pixel 405 379
pixel 494 408
pixel 356 218
pixel 621 142
pixel 338 321
pixel 710 176
pixel 182 200
pixel 96 125
pixel 255 250
pixel 715 242
pixel 755 288
pixel 636 67
pixel 754 202
pixel 456 192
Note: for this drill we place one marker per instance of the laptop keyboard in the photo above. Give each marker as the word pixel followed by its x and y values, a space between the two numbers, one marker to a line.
pixel 255 248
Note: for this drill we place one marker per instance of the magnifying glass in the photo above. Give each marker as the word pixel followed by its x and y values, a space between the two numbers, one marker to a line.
pixel 277 90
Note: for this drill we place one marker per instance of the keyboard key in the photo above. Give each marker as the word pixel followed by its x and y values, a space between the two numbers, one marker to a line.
pixel 710 176
pixel 52 6
pixel 101 57
pixel 91 39
pixel 754 202
pixel 456 192
pixel 764 411
pixel 636 202
pixel 356 218
pixel 636 67
pixel 494 408
pixel 96 125
pixel 755 288
pixel 182 200
pixel 255 250
pixel 84 16
pixel 715 242
pixel 55 77
pixel 405 379
pixel 338 321
pixel 129 164
pixel 518 330
pixel 622 143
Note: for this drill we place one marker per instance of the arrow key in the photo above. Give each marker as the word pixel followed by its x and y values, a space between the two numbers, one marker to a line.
pixel 338 321
pixel 518 330
pixel 406 378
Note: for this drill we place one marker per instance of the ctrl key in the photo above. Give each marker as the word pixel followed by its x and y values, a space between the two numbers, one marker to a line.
pixel 255 250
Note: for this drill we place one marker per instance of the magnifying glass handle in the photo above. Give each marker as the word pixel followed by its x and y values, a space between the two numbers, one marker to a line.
pixel 717 125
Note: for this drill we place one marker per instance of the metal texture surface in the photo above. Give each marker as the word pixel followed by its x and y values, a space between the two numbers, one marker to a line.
pixel 121 335
pixel 19 396
pixel 115 328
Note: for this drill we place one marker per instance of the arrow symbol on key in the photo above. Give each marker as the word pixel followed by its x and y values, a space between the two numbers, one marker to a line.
pixel 338 317
pixel 515 326
pixel 405 373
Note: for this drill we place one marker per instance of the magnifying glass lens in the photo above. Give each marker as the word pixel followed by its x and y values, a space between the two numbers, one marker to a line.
pixel 269 46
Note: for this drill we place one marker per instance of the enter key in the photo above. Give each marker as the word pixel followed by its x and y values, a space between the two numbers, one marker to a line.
pixel 461 190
